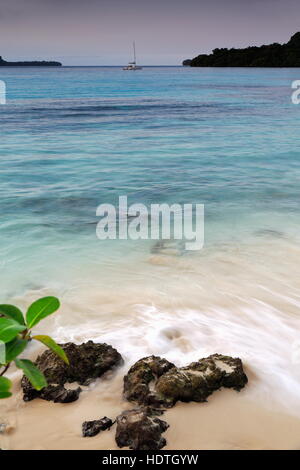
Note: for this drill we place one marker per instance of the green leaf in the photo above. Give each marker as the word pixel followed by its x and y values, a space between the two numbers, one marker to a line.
pixel 2 353
pixel 51 344
pixel 12 312
pixel 41 309
pixel 14 348
pixel 9 329
pixel 33 374
pixel 5 395
pixel 5 384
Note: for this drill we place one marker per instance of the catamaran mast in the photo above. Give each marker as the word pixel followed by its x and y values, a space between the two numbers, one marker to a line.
pixel 134 54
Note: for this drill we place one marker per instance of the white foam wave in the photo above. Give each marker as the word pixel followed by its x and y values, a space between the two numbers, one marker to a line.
pixel 266 339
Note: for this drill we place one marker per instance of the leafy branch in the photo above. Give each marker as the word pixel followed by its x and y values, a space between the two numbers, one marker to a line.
pixel 15 334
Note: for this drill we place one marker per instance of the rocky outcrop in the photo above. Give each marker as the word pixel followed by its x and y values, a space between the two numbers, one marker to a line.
pixel 88 361
pixel 92 428
pixel 200 379
pixel 157 382
pixel 140 429
pixel 139 378
pixel 152 382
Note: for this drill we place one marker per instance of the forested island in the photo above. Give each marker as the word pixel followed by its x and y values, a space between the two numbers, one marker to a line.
pixel 35 63
pixel 273 55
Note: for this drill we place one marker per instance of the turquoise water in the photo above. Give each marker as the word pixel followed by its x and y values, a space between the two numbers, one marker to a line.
pixel 73 138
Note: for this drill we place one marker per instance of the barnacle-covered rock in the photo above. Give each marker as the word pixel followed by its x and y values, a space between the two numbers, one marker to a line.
pixel 140 429
pixel 88 361
pixel 137 383
pixel 200 379
pixel 57 394
pixel 92 428
pixel 157 382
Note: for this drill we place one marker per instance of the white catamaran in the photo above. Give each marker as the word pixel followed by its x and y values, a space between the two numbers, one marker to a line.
pixel 132 65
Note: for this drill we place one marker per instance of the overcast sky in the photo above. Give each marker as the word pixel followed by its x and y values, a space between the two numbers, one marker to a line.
pixel 100 32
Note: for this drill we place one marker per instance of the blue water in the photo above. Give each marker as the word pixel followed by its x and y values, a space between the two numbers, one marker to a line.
pixel 73 138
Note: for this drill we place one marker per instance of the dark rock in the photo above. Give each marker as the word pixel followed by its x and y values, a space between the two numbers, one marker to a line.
pixel 186 62
pixel 269 233
pixel 200 379
pixel 140 429
pixel 192 383
pixel 140 375
pixel 92 428
pixel 88 361
pixel 59 394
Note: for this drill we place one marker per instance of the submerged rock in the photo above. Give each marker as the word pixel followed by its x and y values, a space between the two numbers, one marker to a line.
pixel 168 247
pixel 92 428
pixel 157 382
pixel 88 361
pixel 140 429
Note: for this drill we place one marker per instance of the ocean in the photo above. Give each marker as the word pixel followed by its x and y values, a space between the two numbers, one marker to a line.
pixel 76 137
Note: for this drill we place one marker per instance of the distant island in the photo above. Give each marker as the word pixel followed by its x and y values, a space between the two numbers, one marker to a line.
pixel 35 63
pixel 273 55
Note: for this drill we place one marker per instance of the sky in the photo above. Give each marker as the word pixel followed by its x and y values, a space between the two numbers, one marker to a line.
pixel 100 32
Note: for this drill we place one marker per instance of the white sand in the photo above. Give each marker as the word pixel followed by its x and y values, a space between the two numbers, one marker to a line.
pixel 243 302
pixel 229 420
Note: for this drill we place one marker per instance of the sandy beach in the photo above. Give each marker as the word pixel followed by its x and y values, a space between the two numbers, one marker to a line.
pixel 245 320
pixel 229 420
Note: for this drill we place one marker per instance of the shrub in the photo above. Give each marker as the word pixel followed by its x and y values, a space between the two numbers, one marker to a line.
pixel 15 334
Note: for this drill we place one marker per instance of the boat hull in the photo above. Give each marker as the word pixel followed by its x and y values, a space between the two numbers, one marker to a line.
pixel 133 68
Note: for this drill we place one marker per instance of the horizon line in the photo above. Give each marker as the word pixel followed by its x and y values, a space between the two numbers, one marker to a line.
pixel 88 65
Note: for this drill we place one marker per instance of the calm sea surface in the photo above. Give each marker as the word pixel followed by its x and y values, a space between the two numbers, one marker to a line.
pixel 73 138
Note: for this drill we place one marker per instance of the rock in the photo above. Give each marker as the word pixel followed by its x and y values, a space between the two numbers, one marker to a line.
pixel 140 429
pixel 140 375
pixel 88 361
pixel 59 394
pixel 157 382
pixel 92 428
pixel 2 428
pixel 200 379
pixel 8 426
